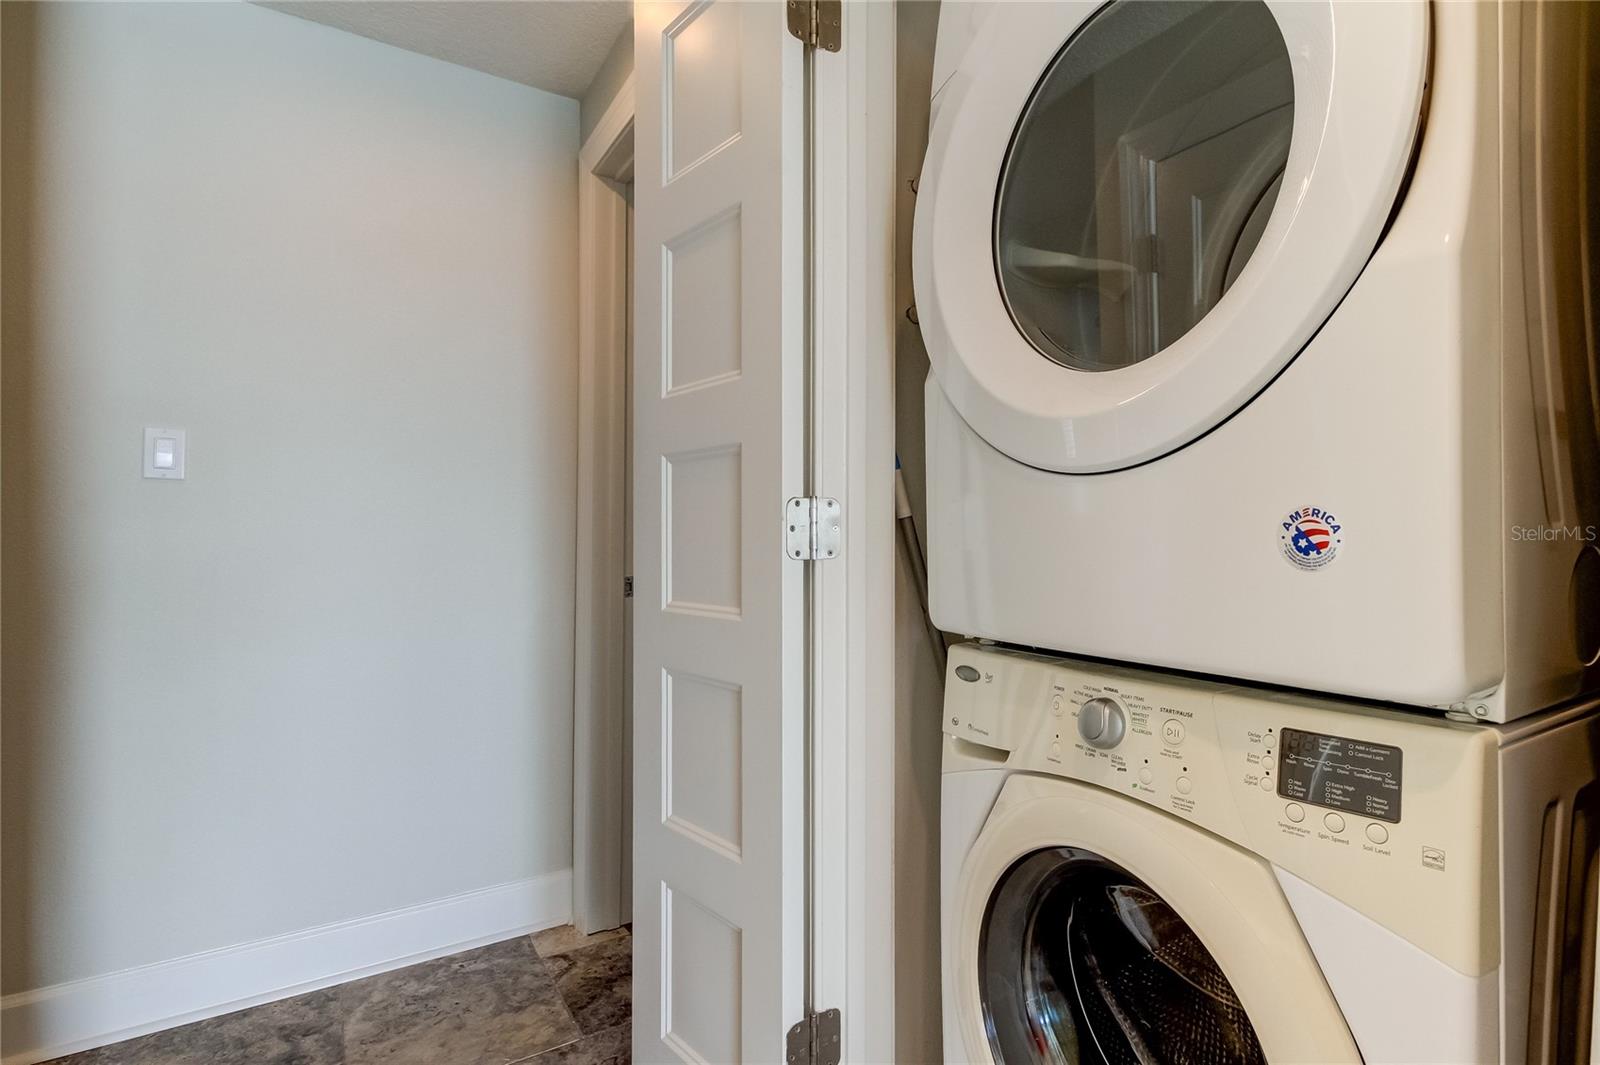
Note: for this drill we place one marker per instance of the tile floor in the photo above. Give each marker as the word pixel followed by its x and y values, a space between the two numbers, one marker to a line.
pixel 553 998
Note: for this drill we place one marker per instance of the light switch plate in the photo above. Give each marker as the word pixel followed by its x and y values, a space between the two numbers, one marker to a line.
pixel 180 454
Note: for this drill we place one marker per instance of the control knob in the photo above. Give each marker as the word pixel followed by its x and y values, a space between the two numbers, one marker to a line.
pixel 1101 722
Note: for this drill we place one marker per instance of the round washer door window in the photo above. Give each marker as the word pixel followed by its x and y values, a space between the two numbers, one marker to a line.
pixel 1141 176
pixel 1133 215
pixel 1080 961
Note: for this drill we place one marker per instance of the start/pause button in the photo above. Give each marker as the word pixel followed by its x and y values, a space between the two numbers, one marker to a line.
pixel 1172 731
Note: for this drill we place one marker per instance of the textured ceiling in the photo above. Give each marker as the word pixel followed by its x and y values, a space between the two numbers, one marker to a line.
pixel 555 45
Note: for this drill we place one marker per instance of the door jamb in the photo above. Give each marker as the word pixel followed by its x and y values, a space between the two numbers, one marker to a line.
pixel 604 162
pixel 852 459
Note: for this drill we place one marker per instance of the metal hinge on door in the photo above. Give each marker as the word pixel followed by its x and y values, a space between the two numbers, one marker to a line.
pixel 812 525
pixel 818 23
pixel 627 587
pixel 815 1040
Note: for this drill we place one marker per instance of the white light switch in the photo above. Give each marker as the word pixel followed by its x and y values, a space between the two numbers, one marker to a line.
pixel 164 454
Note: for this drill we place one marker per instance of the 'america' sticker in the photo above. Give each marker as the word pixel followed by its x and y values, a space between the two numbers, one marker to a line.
pixel 1311 537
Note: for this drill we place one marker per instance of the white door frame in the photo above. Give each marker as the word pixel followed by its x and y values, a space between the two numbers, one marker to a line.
pixel 852 460
pixel 600 895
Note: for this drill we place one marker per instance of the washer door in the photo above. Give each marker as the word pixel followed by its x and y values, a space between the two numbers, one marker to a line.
pixel 1091 928
pixel 1080 960
pixel 1132 216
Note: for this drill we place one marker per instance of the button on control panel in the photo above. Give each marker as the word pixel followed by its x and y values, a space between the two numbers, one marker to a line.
pixel 1172 732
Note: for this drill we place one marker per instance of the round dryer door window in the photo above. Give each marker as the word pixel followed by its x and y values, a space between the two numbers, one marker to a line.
pixel 1080 961
pixel 1132 216
pixel 1141 177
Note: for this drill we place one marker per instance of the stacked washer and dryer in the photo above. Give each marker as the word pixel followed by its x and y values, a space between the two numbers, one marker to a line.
pixel 1264 383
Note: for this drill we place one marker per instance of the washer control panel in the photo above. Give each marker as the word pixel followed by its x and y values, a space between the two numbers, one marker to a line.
pixel 1372 804
pixel 1111 726
pixel 1341 773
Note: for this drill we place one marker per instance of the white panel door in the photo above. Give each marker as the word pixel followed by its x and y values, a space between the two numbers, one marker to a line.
pixel 719 759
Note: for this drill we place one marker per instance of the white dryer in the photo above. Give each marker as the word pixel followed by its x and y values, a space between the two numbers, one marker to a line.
pixel 1138 868
pixel 1263 341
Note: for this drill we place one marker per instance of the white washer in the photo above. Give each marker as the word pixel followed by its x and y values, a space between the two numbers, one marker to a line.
pixel 1205 873
pixel 1263 341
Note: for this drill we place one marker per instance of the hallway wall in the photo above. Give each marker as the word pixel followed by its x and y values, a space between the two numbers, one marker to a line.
pixel 329 674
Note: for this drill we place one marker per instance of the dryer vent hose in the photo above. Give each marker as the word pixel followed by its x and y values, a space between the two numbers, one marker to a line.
pixel 911 544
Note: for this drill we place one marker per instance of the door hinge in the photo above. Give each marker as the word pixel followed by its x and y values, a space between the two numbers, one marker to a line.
pixel 818 23
pixel 812 527
pixel 815 1040
pixel 627 587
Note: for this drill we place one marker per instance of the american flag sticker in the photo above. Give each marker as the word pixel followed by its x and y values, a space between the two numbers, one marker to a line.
pixel 1311 537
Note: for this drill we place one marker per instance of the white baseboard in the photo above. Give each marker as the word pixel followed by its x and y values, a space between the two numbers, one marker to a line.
pixel 38 1025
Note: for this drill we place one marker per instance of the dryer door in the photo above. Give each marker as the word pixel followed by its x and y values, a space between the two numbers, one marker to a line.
pixel 1094 929
pixel 1133 215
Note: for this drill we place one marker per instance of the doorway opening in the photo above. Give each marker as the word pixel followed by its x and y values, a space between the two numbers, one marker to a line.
pixel 602 837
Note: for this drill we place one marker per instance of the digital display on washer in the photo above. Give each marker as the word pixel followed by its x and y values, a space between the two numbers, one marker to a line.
pixel 1340 774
